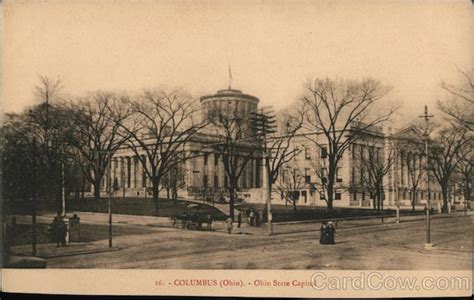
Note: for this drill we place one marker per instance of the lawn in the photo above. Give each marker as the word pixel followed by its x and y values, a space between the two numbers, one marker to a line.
pixel 168 208
pixel 144 207
pixel 281 213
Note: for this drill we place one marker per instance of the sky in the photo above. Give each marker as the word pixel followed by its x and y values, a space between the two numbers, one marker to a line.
pixel 273 47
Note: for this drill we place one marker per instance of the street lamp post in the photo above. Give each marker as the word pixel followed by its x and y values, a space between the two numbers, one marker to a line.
pixel 426 116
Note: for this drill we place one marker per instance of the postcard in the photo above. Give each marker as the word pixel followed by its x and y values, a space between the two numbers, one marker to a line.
pixel 237 148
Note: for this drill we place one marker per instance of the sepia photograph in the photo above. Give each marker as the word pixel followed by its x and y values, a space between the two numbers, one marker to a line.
pixel 237 147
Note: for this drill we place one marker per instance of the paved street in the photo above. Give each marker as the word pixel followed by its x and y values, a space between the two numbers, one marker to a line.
pixel 364 244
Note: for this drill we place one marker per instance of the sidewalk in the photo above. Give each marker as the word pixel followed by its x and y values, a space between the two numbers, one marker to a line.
pixel 50 250
pixel 221 226
pixel 162 225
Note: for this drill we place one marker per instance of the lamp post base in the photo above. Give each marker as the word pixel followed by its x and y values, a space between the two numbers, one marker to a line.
pixel 429 246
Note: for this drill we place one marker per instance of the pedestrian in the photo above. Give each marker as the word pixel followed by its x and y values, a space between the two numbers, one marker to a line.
pixel 55 231
pixel 331 233
pixel 209 221
pixel 252 218
pixel 239 219
pixel 229 225
pixel 59 231
pixel 324 237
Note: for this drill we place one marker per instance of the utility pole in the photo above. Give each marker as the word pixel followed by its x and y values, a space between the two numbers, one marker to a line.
pixel 110 200
pixel 63 186
pixel 397 198
pixel 263 123
pixel 33 206
pixel 426 116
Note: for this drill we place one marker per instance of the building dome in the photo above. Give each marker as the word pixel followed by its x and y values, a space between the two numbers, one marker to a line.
pixel 228 102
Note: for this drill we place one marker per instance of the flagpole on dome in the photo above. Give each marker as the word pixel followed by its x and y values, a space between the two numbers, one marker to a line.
pixel 230 78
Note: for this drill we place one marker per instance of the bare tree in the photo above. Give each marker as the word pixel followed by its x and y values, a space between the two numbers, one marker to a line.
pixel 290 184
pixel 98 134
pixel 48 126
pixel 460 106
pixel 464 167
pixel 377 159
pixel 335 112
pixel 280 144
pixel 48 123
pixel 161 125
pixel 412 153
pixel 415 173
pixel 172 181
pixel 234 146
pixel 445 154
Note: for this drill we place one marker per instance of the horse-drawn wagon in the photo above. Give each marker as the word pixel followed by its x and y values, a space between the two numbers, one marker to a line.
pixel 192 219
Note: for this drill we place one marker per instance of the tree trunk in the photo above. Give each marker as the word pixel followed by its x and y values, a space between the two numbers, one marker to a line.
pixel 97 189
pixel 374 201
pixel 330 189
pixel 156 192
pixel 175 195
pixel 381 205
pixel 444 189
pixel 413 199
pixel 378 196
pixel 231 202
pixel 294 206
pixel 467 191
pixel 83 187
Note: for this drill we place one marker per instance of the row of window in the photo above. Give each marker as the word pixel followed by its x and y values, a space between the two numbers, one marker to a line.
pixel 303 194
pixel 307 175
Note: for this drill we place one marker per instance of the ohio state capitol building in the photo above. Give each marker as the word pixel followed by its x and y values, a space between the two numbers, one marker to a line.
pixel 205 172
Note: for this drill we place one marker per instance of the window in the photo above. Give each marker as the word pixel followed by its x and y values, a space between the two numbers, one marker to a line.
pixel 216 159
pixel 307 176
pixel 285 175
pixel 296 174
pixel 205 181
pixel 216 181
pixel 295 195
pixel 205 159
pixel 337 196
pixel 129 172
pixel 338 175
pixel 144 172
pixel 135 171
pixel 307 152
pixel 324 152
pixel 305 198
pixel 324 173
